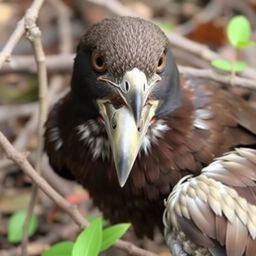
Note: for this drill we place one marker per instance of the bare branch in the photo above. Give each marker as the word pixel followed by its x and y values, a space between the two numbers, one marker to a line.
pixel 211 11
pixel 114 6
pixel 211 74
pixel 203 51
pixel 53 63
pixel 69 208
pixel 23 163
pixel 16 111
pixel 64 25
pixel 18 33
pixel 26 64
pixel 34 35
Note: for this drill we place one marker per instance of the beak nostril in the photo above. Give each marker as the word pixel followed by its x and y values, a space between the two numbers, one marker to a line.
pixel 127 86
pixel 113 124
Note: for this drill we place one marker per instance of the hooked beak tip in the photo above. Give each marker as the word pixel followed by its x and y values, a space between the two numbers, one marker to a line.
pixel 123 171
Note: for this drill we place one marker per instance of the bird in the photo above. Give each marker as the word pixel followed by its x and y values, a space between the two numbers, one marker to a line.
pixel 131 127
pixel 214 213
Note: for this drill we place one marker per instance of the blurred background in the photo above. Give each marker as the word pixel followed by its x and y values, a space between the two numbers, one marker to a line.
pixel 62 23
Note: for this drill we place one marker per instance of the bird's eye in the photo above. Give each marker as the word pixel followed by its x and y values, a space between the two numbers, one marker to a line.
pixel 161 63
pixel 98 62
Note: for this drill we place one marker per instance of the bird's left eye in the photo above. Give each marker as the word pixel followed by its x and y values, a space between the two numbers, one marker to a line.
pixel 161 63
pixel 98 62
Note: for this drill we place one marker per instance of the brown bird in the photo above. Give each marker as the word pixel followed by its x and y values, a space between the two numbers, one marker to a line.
pixel 215 212
pixel 130 127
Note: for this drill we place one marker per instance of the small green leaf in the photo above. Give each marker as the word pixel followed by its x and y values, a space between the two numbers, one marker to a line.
pixel 88 243
pixel 15 226
pixel 111 234
pixel 92 218
pixel 244 44
pixel 239 66
pixel 238 30
pixel 222 64
pixel 225 65
pixel 166 26
pixel 62 249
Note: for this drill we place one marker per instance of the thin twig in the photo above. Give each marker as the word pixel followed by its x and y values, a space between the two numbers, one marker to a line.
pixel 179 41
pixel 26 64
pixel 60 63
pixel 62 232
pixel 27 168
pixel 211 74
pixel 64 25
pixel 203 51
pixel 70 209
pixel 34 35
pixel 114 6
pixel 53 62
pixel 211 11
pixel 18 33
pixel 16 111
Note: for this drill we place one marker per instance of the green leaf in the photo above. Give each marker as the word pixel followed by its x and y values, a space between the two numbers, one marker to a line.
pixel 225 65
pixel 62 249
pixel 92 218
pixel 111 234
pixel 222 64
pixel 88 243
pixel 239 66
pixel 166 26
pixel 238 30
pixel 243 44
pixel 15 226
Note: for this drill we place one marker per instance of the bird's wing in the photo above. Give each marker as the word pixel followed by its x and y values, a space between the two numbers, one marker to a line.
pixel 217 209
pixel 229 109
pixel 54 142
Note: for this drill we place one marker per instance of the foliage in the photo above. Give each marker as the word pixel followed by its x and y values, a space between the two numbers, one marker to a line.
pixel 62 248
pixel 238 33
pixel 226 65
pixel 91 241
pixel 15 226
pixel 166 26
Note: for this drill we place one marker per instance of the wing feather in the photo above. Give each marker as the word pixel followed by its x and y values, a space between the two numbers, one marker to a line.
pixel 236 238
pixel 228 183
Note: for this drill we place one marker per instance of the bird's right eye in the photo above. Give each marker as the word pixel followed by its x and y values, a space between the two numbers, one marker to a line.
pixel 98 62
pixel 161 63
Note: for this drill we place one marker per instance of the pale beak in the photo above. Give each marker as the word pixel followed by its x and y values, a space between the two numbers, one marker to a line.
pixel 127 124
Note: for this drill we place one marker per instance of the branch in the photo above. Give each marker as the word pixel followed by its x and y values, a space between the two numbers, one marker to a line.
pixel 203 51
pixel 211 74
pixel 69 208
pixel 179 41
pixel 211 11
pixel 115 7
pixel 33 34
pixel 64 62
pixel 64 25
pixel 61 63
pixel 15 111
pixel 18 33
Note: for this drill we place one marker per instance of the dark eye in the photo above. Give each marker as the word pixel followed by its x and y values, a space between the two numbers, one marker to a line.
pixel 98 62
pixel 161 63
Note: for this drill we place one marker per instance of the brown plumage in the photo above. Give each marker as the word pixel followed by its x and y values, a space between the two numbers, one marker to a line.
pixel 194 122
pixel 215 212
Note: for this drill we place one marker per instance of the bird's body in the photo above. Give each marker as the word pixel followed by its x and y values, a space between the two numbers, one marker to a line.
pixel 214 214
pixel 193 122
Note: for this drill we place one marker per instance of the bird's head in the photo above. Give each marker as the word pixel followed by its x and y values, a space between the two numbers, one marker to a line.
pixel 124 73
